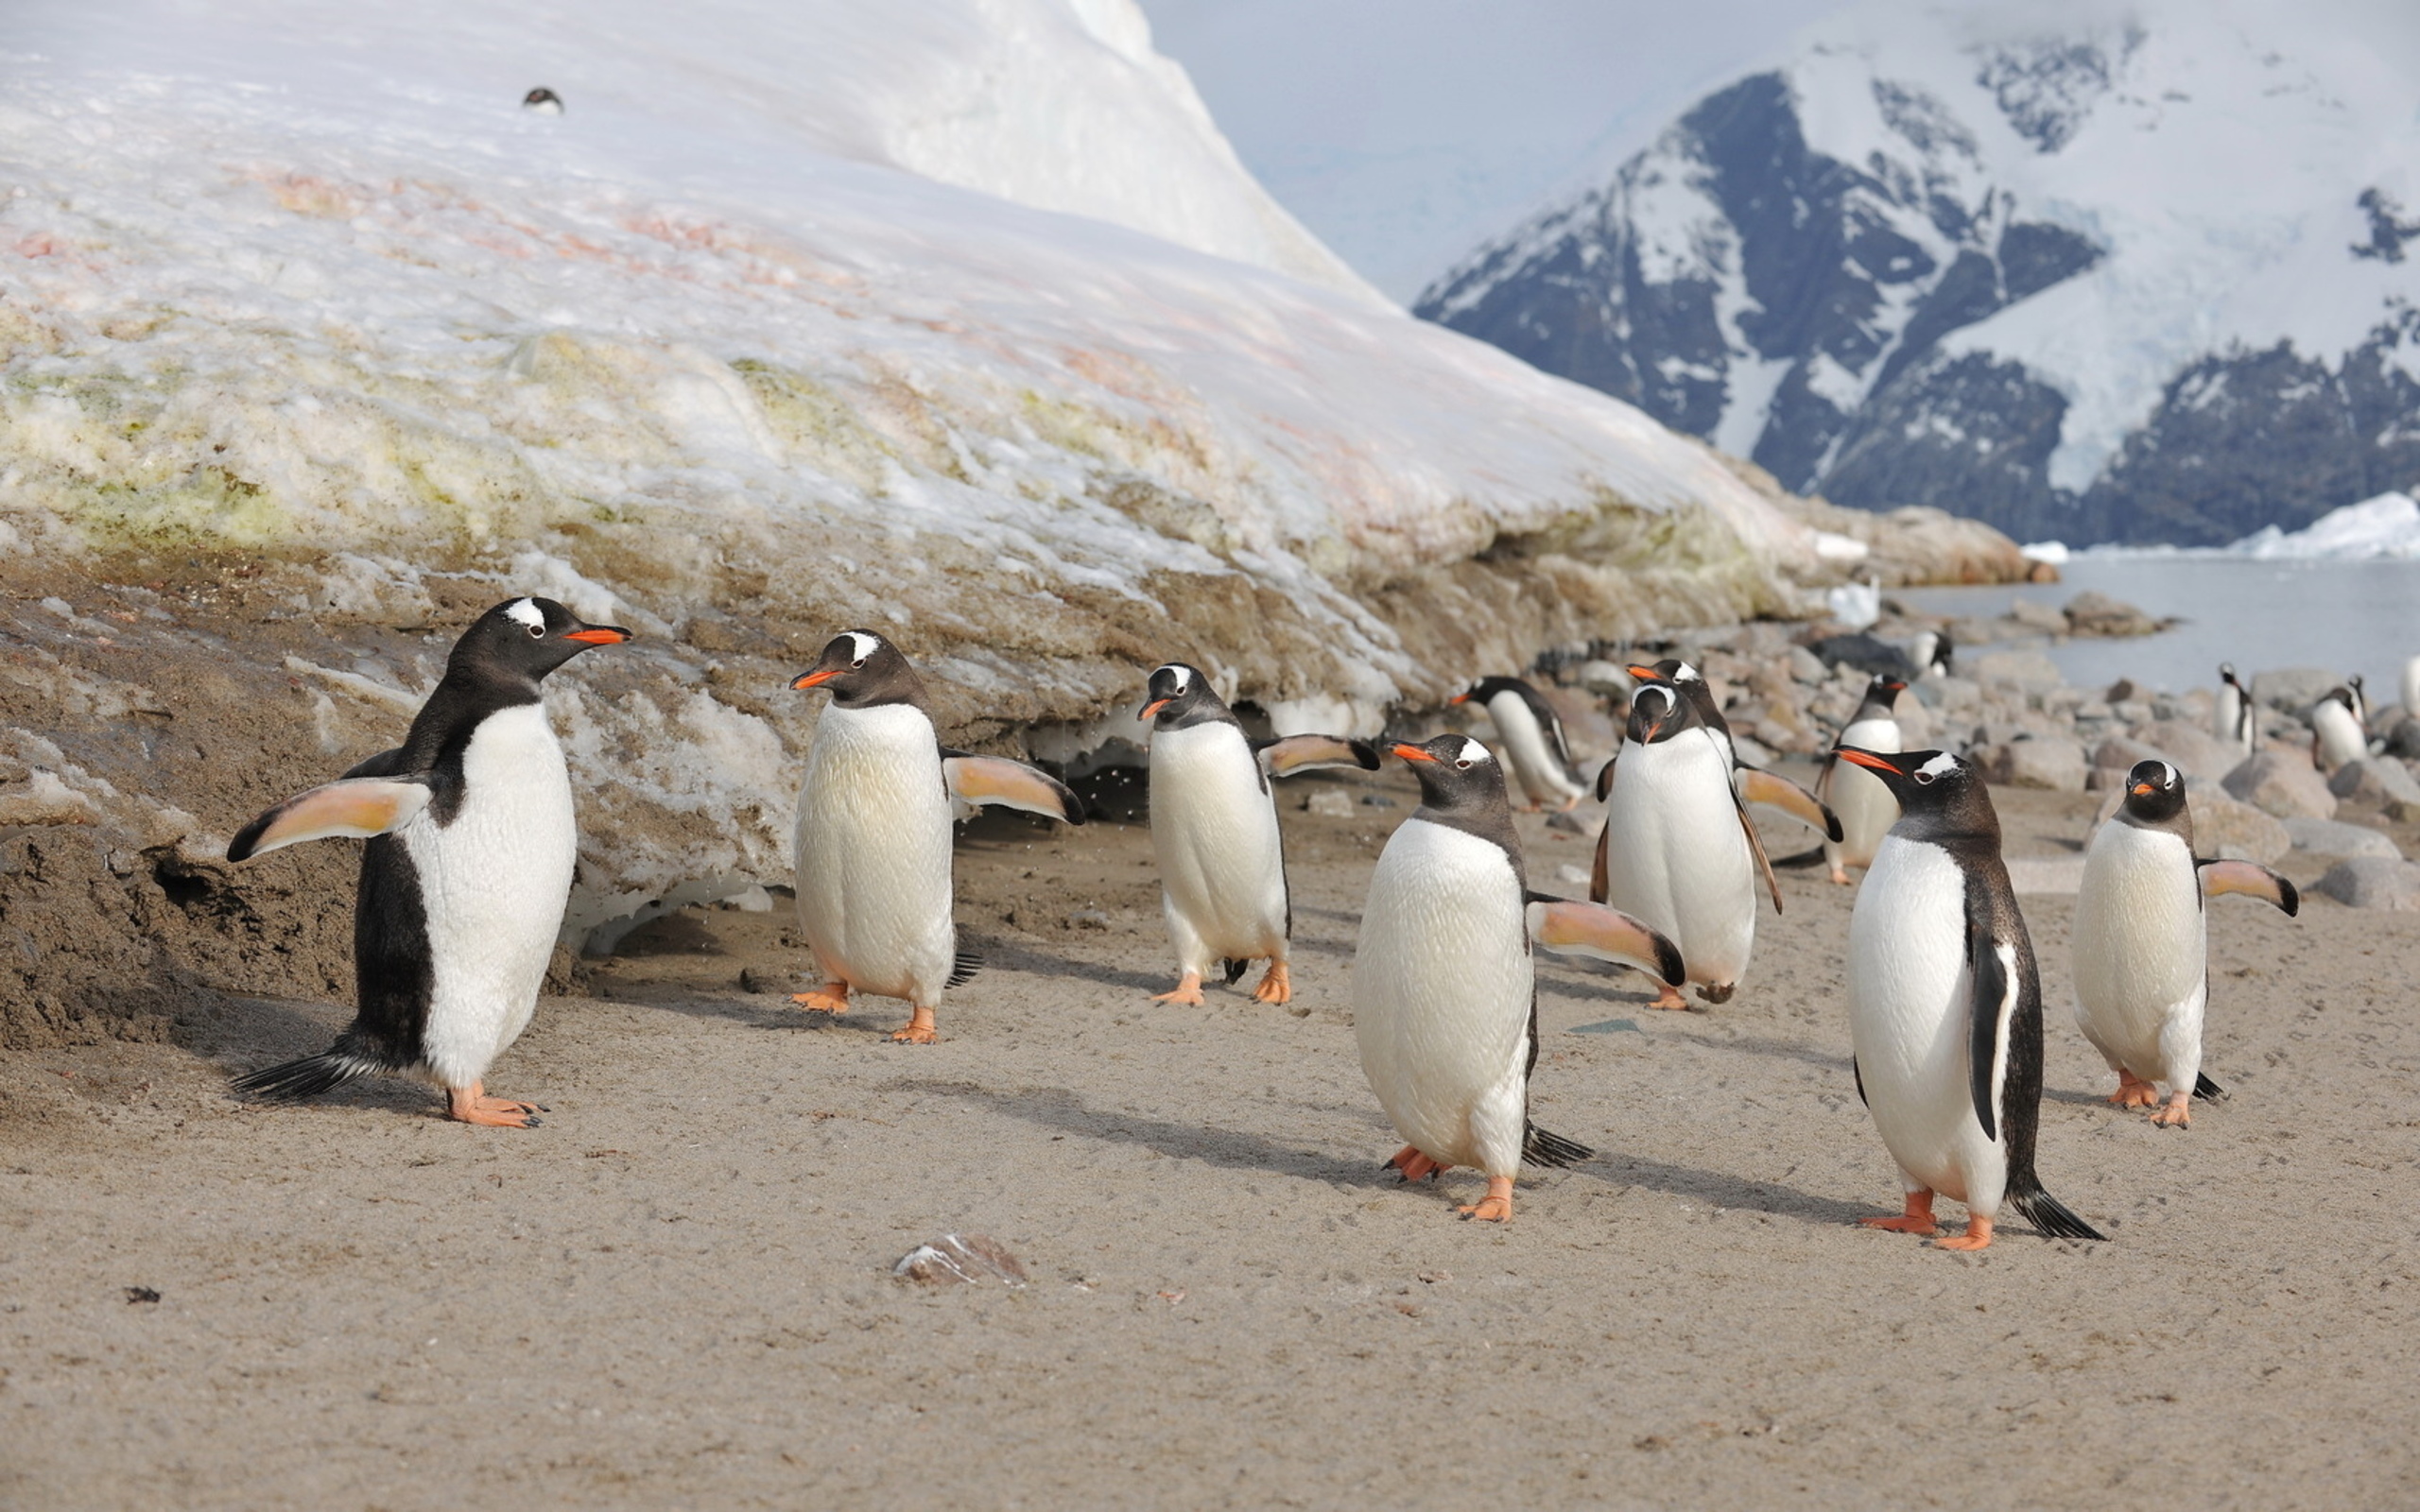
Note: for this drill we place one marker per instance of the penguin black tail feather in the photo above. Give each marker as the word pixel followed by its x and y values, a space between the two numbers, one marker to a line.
pixel 1803 858
pixel 2208 1091
pixel 1235 967
pixel 962 967
pixel 1538 1148
pixel 311 1075
pixel 2050 1215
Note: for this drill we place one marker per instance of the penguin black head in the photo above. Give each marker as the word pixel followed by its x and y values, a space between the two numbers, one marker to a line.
pixel 542 101
pixel 1940 795
pixel 2226 675
pixel 1943 652
pixel 1660 710
pixel 2343 695
pixel 1458 777
pixel 1882 694
pixel 1672 669
pixel 1486 689
pixel 516 643
pixel 864 671
pixel 1180 695
pixel 2154 793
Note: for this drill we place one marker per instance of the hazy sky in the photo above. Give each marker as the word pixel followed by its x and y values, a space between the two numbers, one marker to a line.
pixel 1405 131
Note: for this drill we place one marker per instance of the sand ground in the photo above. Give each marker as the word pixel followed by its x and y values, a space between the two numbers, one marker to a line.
pixel 676 1292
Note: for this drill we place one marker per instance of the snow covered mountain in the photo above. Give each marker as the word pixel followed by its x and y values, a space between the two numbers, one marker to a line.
pixel 2118 272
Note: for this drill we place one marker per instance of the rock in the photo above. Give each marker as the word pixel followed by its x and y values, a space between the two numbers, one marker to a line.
pixel 752 979
pixel 2190 749
pixel 2283 784
pixel 2037 616
pixel 2052 762
pixel 2234 831
pixel 2331 837
pixel 2028 670
pixel 1602 677
pixel 1950 694
pixel 1087 919
pixel 2405 740
pixel 2118 753
pixel 1328 803
pixel 45 800
pixel 957 1260
pixel 1376 800
pixel 2374 882
pixel 2379 780
pixel 2294 688
pixel 1806 666
pixel 1574 821
pixel 2125 690
pixel 2094 613
pixel 1751 751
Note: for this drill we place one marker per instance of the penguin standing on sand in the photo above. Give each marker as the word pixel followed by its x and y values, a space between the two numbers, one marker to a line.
pixel 2336 736
pixel 1755 786
pixel 1214 829
pixel 467 872
pixel 873 847
pixel 2142 943
pixel 1444 988
pixel 1532 738
pixel 1677 849
pixel 1945 1006
pixel 2237 718
pixel 1865 807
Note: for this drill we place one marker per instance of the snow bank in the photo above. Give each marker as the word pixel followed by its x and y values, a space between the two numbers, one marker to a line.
pixel 2386 526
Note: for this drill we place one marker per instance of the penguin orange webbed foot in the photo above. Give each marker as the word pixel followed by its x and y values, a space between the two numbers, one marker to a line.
pixel 920 1030
pixel 1415 1165
pixel 1839 878
pixel 1917 1219
pixel 471 1105
pixel 2132 1092
pixel 1977 1236
pixel 2175 1114
pixel 1188 993
pixel 1668 997
pixel 1277 986
pixel 833 999
pixel 1497 1206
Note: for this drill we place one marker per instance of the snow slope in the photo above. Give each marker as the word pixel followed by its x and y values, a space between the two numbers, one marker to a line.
pixel 754 344
pixel 2090 270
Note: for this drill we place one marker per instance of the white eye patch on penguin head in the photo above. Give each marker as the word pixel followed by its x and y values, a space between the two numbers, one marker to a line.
pixel 862 645
pixel 1471 755
pixel 1934 770
pixel 526 613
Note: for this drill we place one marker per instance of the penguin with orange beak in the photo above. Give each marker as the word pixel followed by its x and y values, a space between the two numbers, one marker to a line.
pixel 467 872
pixel 1945 1006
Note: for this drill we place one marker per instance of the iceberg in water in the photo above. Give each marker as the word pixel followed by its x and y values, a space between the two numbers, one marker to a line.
pixel 2385 526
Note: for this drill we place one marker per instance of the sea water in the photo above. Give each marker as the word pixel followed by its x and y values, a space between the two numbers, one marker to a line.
pixel 2350 616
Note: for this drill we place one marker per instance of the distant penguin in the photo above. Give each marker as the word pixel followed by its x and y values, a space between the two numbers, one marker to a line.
pixel 2354 685
pixel 1865 807
pixel 2142 943
pixel 543 101
pixel 1932 652
pixel 872 846
pixel 1532 739
pixel 1677 849
pixel 2411 688
pixel 1444 988
pixel 2336 735
pixel 2237 718
pixel 1214 829
pixel 1945 1006
pixel 1754 784
pixel 467 872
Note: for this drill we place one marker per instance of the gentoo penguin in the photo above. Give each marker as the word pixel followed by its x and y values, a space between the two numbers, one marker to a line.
pixel 1932 653
pixel 2336 736
pixel 1677 849
pixel 873 847
pixel 2360 696
pixel 2236 717
pixel 1532 738
pixel 2142 943
pixel 1945 1006
pixel 466 874
pixel 1214 828
pixel 2411 688
pixel 1445 989
pixel 1865 807
pixel 1755 786
pixel 543 101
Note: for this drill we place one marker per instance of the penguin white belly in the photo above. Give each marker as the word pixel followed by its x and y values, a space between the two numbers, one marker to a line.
pixel 1443 986
pixel 1909 1008
pixel 2410 688
pixel 2141 954
pixel 1676 858
pixel 2230 720
pixel 1214 829
pixel 1864 807
pixel 1535 763
pixel 873 852
pixel 492 884
pixel 2340 734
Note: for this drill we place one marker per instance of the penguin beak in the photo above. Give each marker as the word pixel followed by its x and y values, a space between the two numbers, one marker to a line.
pixel 1642 674
pixel 815 679
pixel 1459 697
pixel 1865 758
pixel 2142 790
pixel 1152 707
pixel 599 635
pixel 1410 753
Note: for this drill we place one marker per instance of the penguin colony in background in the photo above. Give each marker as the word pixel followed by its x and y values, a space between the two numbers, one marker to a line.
pixel 472 842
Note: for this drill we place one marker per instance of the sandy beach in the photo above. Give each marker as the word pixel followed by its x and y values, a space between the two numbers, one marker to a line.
pixel 677 1291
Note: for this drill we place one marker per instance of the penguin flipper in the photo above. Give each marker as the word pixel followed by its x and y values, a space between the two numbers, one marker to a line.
pixel 974 781
pixel 359 806
pixel 1594 930
pixel 1548 719
pixel 1601 881
pixel 2220 878
pixel 1756 845
pixel 1310 753
pixel 1774 791
pixel 386 764
pixel 1605 778
pixel 1996 984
